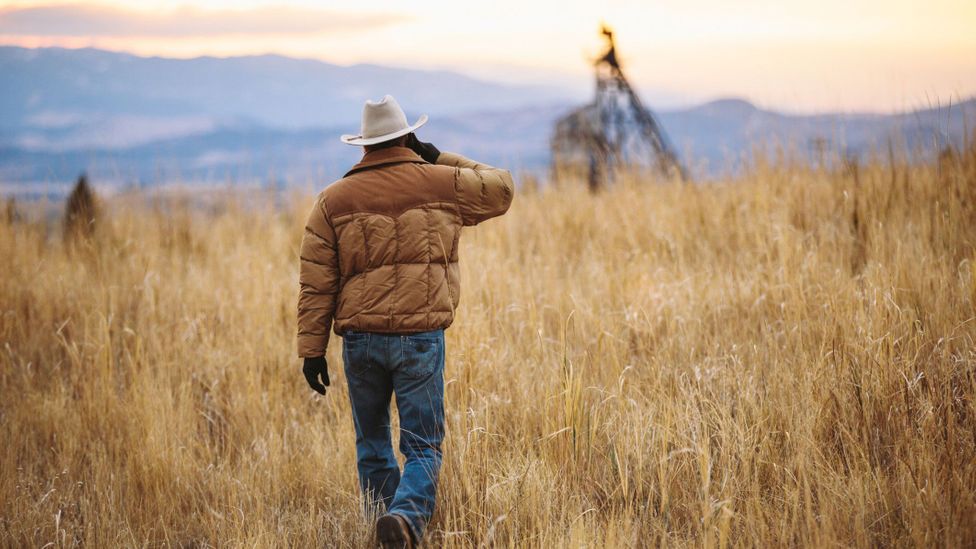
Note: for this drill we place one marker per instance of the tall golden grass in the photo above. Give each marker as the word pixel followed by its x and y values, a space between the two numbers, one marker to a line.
pixel 785 359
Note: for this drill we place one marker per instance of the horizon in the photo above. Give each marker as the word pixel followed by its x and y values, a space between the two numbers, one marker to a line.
pixel 947 102
pixel 794 57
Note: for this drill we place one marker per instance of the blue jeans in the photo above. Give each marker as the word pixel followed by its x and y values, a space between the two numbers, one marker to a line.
pixel 411 367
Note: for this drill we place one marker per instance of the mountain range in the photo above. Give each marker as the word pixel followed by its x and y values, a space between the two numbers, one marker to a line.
pixel 127 120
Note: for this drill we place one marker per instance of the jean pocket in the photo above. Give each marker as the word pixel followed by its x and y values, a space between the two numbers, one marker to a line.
pixel 355 352
pixel 420 356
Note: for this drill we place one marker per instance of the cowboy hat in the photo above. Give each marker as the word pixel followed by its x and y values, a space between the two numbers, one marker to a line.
pixel 383 120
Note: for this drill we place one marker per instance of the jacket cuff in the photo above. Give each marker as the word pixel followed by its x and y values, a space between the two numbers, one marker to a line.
pixel 454 159
pixel 312 345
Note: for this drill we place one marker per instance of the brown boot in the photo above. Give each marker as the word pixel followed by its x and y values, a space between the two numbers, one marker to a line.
pixel 392 532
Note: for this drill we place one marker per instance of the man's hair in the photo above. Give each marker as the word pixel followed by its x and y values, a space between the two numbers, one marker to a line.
pixel 395 142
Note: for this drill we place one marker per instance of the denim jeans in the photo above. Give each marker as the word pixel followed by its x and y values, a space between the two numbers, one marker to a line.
pixel 411 367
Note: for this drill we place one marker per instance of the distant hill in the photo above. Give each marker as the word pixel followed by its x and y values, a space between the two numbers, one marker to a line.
pixel 249 153
pixel 718 136
pixel 52 88
pixel 130 120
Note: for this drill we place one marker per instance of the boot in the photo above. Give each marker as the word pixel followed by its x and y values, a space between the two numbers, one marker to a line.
pixel 392 532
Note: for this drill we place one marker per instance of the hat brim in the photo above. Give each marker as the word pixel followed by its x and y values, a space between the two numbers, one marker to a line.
pixel 360 140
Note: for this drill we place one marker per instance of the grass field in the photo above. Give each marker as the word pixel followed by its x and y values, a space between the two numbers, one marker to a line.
pixel 786 359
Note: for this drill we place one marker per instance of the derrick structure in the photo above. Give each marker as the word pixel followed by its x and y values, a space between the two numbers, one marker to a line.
pixel 614 131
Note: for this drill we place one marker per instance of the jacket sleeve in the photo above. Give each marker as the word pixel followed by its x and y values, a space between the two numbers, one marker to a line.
pixel 482 191
pixel 318 280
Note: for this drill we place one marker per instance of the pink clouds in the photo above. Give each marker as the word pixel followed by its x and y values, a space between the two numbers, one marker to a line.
pixel 106 21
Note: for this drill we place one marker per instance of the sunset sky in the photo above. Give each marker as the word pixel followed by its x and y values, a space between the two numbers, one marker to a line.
pixel 796 55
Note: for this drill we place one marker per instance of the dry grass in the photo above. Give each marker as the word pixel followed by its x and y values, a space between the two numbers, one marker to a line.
pixel 783 360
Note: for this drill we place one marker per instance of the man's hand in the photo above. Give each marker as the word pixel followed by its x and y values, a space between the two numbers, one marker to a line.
pixel 314 367
pixel 426 151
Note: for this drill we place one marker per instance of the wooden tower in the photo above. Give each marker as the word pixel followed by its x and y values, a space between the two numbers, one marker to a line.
pixel 615 130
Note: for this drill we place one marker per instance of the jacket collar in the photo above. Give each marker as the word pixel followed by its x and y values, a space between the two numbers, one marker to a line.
pixel 382 157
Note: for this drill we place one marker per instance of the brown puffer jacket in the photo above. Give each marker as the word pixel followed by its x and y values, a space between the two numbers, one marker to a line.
pixel 380 250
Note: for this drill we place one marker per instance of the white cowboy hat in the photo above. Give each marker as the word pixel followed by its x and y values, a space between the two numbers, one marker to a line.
pixel 382 120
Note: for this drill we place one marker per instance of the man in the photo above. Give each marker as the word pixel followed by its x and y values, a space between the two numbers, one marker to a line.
pixel 379 258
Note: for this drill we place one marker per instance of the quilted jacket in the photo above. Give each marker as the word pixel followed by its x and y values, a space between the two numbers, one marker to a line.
pixel 380 249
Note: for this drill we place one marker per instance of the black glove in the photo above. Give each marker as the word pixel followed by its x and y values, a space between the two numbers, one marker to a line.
pixel 314 367
pixel 426 151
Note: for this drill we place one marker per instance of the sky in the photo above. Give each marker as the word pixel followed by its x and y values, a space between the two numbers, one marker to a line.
pixel 791 55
